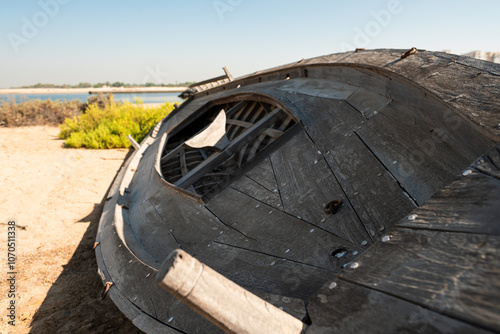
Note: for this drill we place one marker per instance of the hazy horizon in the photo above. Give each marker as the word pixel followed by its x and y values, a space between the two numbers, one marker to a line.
pixel 73 41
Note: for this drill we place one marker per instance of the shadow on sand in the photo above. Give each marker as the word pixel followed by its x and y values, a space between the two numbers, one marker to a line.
pixel 72 304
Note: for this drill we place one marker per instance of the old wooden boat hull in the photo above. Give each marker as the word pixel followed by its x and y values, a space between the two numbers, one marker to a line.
pixel 357 191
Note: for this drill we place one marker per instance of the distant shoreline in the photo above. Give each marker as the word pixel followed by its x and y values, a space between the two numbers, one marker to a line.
pixel 113 90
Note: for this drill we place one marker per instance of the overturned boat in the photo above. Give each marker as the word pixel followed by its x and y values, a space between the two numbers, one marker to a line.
pixel 352 192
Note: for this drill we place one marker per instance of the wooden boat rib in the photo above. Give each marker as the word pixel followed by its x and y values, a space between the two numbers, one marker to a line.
pixel 405 151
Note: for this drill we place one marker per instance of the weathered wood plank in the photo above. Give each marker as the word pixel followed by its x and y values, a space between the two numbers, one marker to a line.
pixel 263 174
pixel 213 135
pixel 172 153
pixel 306 184
pixel 374 58
pixel 184 169
pixel 368 103
pixel 265 275
pixel 237 107
pixel 490 162
pixel 146 222
pixel 469 204
pixel 257 191
pixel 463 83
pixel 465 137
pixel 332 58
pixel 455 274
pixel 374 80
pixel 420 159
pixel 194 227
pixel 261 228
pixel 318 88
pixel 342 307
pixel 374 194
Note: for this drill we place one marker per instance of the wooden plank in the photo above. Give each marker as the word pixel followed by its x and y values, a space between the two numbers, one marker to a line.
pixel 184 169
pixel 190 223
pixel 228 74
pixel 261 228
pixel 374 80
pixel 306 184
pixel 374 194
pixel 213 135
pixel 367 102
pixel 332 89
pixel 490 162
pixel 223 302
pixel 465 86
pixel 469 204
pixel 455 274
pixel 252 108
pixel 232 130
pixel 374 58
pixel 273 133
pixel 447 112
pixel 488 67
pixel 257 191
pixel 263 174
pixel 418 157
pixel 237 107
pixel 147 222
pixel 342 307
pixel 204 82
pixel 265 275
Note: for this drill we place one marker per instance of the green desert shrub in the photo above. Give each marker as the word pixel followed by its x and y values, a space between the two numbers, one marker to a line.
pixel 37 112
pixel 108 127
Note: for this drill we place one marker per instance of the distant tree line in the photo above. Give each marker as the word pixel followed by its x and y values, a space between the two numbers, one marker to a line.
pixel 109 84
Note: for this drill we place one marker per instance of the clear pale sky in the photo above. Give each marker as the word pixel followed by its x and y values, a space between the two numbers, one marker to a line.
pixel 161 41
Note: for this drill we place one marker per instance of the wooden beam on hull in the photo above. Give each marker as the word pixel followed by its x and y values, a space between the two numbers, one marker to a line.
pixel 221 301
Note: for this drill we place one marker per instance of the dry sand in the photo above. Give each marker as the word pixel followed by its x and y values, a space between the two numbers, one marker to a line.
pixel 58 193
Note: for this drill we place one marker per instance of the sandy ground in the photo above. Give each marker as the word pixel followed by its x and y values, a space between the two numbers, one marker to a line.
pixel 58 193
